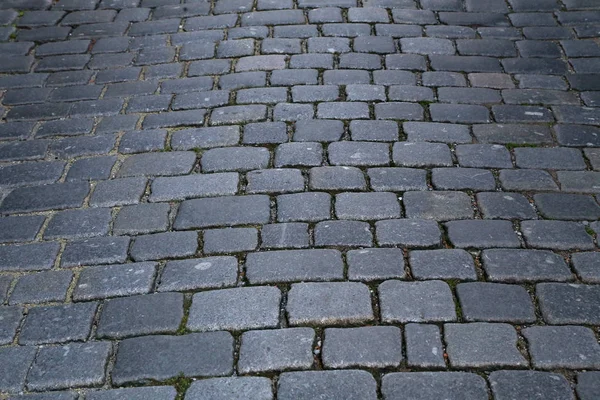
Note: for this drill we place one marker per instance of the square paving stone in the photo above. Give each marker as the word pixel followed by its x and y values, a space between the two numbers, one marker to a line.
pixel 565 303
pixel 58 324
pixel 588 385
pixel 308 385
pixel 434 385
pixel 10 318
pixel 41 287
pixel 235 309
pixel 142 218
pixel 276 350
pixel 14 365
pixel 223 211
pixel 495 302
pixel 570 347
pixel 442 264
pixel 161 357
pixel 556 235
pixel 294 266
pixel 428 301
pixel 78 224
pixel 141 315
pixel 199 273
pixel 482 234
pixel 375 264
pixel 408 232
pixel 508 265
pixel 496 205
pixel 114 281
pixel 164 245
pixel 424 346
pixel 28 257
pixel 529 384
pixel 230 240
pixel 70 366
pixel 368 347
pixel 587 266
pixel 482 345
pixel 438 205
pixel 139 393
pixel 328 303
pixel 94 251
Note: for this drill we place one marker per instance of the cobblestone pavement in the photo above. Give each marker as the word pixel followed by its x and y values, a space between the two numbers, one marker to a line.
pixel 299 199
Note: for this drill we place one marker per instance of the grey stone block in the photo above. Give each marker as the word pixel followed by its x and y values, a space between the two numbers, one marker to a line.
pixel 163 357
pixel 313 206
pixel 223 211
pixel 235 309
pixel 397 179
pixel 294 266
pixel 343 233
pixel 140 315
pixel 314 304
pixel 94 251
pixel 70 366
pixel 429 301
pixel 504 265
pixel 569 347
pixel 28 257
pixel 199 273
pixel 114 281
pixel 482 234
pixel 117 192
pixel 587 266
pixel 20 229
pixel 528 384
pixel 367 206
pixel 587 385
pixel 77 224
pixel 14 366
pixel 432 385
pixel 505 205
pixel 482 345
pixel 463 179
pixel 369 347
pixel 336 178
pixel 164 245
pixel 194 185
pixel 41 287
pixel 11 317
pixel 142 218
pixel 276 350
pixel 409 232
pixel 375 264
pixel 140 393
pixel 275 181
pixel 230 240
pixel 495 302
pixel 424 346
pixel 230 388
pixel 556 235
pixel 438 205
pixel 58 324
pixel 349 385
pixel 442 264
pixel 563 303
pixel 287 235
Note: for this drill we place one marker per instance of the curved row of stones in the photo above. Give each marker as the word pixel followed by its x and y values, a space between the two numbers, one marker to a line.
pixel 299 199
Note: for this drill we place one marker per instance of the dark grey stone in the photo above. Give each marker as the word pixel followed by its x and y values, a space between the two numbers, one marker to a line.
pixel 114 281
pixel 142 218
pixel 41 287
pixel 163 357
pixel 28 257
pixel 409 232
pixel 428 385
pixel 14 366
pixel 230 240
pixel 556 235
pixel 438 205
pixel 375 264
pixel 199 273
pixel 287 235
pixel 442 264
pixel 20 229
pixel 349 385
pixel 505 205
pixel 424 346
pixel 404 301
pixel 164 245
pixel 194 185
pixel 495 302
pixel 56 196
pixel 223 211
pixel 478 233
pixel 343 233
pixel 587 385
pixel 117 192
pixel 235 309
pixel 563 303
pixel 504 265
pixel 313 206
pixel 529 384
pixel 78 224
pixel 587 266
pixel 11 317
pixel 554 347
pixel 139 393
pixel 230 388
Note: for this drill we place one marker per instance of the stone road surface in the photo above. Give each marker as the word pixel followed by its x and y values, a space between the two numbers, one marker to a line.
pixel 299 199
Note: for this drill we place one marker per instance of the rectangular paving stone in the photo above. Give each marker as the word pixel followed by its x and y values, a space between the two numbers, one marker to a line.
pixel 138 393
pixel 495 302
pixel 35 173
pixel 294 266
pixel 438 205
pixel 554 347
pixel 397 179
pixel 343 233
pixel 20 229
pixel 427 385
pixel 170 163
pixel 195 185
pixel 482 345
pixel 367 206
pixel 14 366
pixel 216 136
pixel 309 206
pixel 229 240
pixel 41 287
pixel 556 235
pixel 442 264
pixel 163 357
pixel 11 317
pixel 199 273
pixel 70 366
pixel 482 234
pixel 118 192
pixel 140 315
pixel 222 309
pixel 58 324
pixel 222 388
pixel 402 301
pixel 408 232
pixel 235 159
pixel 276 350
pixel 114 281
pixel 351 303
pixel 28 257
pixel 164 245
pixel 508 265
pixel 281 236
pixel 77 224
pixel 94 251
pixel 424 346
pixel 569 303
pixel 40 198
pixel 347 384
pixel 585 264
pixel 529 383
pixel 375 264
pixel 223 211
pixel 142 218
pixel 370 347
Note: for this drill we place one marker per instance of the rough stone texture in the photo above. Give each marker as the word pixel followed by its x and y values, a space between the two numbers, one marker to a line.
pixel 416 301
pixel 529 384
pixel 427 385
pixel 571 347
pixel 349 384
